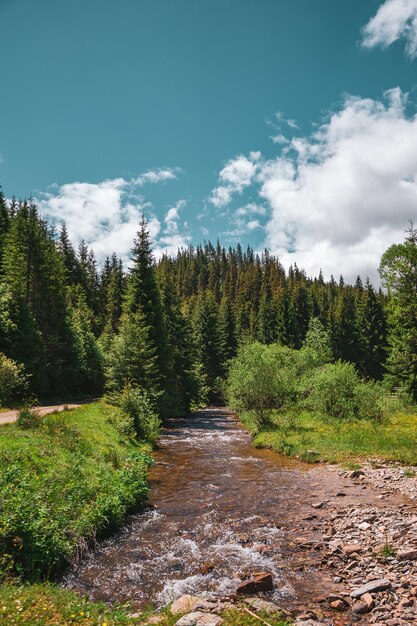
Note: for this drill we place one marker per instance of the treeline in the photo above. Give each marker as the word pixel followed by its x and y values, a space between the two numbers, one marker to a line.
pixel 168 328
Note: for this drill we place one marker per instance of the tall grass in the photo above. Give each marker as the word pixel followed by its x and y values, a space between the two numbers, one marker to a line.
pixel 63 483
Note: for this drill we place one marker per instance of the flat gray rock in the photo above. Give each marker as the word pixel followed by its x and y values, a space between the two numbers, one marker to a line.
pixel 374 585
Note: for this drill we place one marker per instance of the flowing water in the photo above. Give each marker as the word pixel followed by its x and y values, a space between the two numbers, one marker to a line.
pixel 219 511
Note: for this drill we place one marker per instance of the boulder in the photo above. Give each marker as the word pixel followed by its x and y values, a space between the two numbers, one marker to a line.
pixel 185 603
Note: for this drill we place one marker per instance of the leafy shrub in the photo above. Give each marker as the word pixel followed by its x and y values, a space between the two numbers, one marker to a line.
pixel 12 380
pixel 138 413
pixel 335 390
pixel 262 378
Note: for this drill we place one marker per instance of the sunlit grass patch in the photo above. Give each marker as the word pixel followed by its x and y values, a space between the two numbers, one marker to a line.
pixel 62 483
pixel 313 438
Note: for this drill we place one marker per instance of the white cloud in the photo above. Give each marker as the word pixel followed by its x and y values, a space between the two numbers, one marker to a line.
pixel 237 174
pixel 156 176
pixel 253 224
pixel 394 19
pixel 349 190
pixel 345 193
pixel 106 214
pixel 175 235
pixel 250 209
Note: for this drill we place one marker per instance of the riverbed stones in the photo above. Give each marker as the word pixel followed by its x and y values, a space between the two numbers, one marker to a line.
pixel 199 619
pixel 185 603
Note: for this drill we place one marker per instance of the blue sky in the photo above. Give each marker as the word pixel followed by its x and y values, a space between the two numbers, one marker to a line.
pixel 281 123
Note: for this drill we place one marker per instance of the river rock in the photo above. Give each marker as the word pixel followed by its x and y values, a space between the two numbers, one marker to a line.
pixel 374 585
pixel 338 605
pixel 199 619
pixel 352 548
pixel 261 581
pixel 263 605
pixel 360 607
pixel 185 603
pixel 246 588
pixel 407 555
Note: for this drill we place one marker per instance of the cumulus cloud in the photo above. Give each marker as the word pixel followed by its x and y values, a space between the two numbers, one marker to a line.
pixel 340 196
pixel 348 191
pixel 395 19
pixel 106 214
pixel 237 174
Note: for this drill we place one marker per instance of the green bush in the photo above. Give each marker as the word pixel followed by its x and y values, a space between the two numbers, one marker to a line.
pixel 262 378
pixel 137 413
pixel 336 390
pixel 12 380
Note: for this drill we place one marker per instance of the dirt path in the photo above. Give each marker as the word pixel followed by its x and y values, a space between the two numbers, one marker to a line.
pixel 8 417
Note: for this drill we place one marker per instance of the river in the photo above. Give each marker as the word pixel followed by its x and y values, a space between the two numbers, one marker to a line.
pixel 220 511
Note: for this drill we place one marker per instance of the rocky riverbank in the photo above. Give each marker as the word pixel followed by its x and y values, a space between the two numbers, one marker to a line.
pixel 360 541
pixel 363 539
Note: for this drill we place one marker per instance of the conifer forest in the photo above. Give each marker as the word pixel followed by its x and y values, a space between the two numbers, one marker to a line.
pixel 169 326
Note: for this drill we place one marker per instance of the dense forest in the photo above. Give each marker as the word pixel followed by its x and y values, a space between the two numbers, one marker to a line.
pixel 68 326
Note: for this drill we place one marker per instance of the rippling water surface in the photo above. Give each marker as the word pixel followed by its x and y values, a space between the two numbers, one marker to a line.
pixel 219 512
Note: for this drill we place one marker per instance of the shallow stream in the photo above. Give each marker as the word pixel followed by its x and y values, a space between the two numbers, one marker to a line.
pixel 220 510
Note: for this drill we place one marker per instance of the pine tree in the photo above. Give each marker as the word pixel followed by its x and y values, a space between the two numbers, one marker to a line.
pixel 207 340
pixel 398 272
pixel 373 333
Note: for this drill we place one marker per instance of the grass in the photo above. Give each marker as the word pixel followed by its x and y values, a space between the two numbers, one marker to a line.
pixel 48 605
pixel 310 438
pixel 62 484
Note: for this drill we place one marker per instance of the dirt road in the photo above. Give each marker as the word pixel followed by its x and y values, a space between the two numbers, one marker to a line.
pixel 8 417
